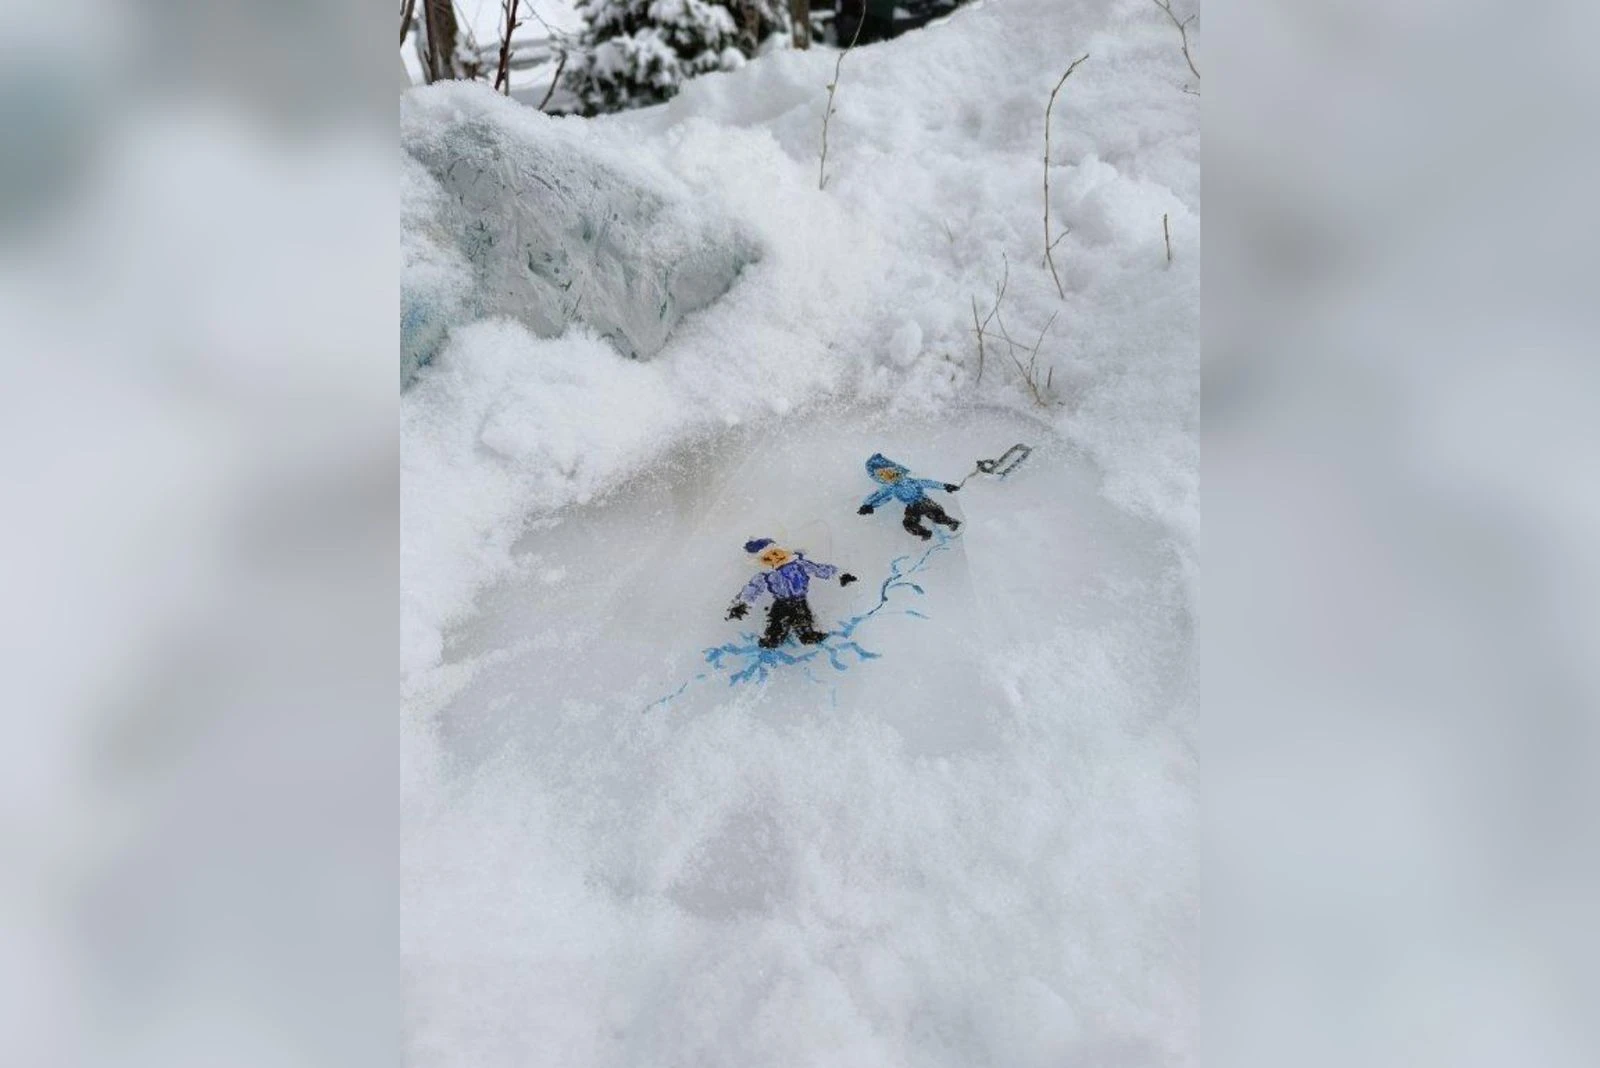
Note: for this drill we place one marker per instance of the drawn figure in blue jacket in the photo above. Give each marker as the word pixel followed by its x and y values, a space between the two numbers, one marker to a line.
pixel 912 492
pixel 786 580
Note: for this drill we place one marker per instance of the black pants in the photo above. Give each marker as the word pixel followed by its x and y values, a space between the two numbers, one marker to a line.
pixel 930 508
pixel 790 614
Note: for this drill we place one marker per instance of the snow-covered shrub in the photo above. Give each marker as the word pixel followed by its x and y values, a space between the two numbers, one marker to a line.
pixel 634 53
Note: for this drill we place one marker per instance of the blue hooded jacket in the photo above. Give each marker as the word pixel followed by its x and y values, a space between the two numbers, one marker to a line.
pixel 905 489
pixel 790 580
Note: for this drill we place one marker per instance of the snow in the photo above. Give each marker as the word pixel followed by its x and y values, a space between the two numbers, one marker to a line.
pixel 976 848
pixel 437 283
pixel 557 229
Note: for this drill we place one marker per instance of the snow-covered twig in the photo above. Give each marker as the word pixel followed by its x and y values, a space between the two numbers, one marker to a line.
pixel 1183 33
pixel 1049 245
pixel 827 113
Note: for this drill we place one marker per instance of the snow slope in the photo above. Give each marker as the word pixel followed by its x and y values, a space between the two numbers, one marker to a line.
pixel 976 849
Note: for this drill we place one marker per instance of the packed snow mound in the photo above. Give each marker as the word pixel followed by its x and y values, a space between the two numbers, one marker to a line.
pixel 436 281
pixel 556 225
pixel 971 848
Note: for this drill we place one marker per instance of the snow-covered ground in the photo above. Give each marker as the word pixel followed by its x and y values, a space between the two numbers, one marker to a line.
pixel 977 847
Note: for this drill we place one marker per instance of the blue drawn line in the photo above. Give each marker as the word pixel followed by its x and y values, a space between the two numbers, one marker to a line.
pixel 897 579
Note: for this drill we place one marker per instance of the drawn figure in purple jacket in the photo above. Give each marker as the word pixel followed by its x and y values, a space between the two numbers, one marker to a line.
pixel 786 579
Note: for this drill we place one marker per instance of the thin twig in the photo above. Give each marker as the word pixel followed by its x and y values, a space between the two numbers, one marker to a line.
pixel 1029 381
pixel 979 331
pixel 1183 33
pixel 407 11
pixel 833 87
pixel 561 65
pixel 502 76
pixel 1049 245
pixel 1166 232
pixel 1030 374
pixel 1048 324
pixel 999 320
pixel 999 295
pixel 1030 378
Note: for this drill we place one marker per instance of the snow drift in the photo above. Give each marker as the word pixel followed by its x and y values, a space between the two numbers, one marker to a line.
pixel 555 227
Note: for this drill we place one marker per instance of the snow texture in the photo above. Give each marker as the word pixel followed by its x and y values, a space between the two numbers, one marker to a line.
pixel 437 284
pixel 976 847
pixel 556 228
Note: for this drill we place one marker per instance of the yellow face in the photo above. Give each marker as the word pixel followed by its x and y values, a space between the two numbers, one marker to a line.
pixel 775 556
pixel 888 474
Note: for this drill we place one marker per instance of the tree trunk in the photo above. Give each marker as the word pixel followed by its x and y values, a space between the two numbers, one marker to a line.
pixel 442 59
pixel 800 18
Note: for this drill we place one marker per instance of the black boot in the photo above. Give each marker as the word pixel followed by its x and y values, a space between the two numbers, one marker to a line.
pixel 806 625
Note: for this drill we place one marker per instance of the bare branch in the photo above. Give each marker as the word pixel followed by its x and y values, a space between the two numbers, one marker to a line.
pixel 1183 33
pixel 981 328
pixel 827 111
pixel 561 65
pixel 1166 232
pixel 1029 372
pixel 1048 324
pixel 1005 333
pixel 1049 245
pixel 502 76
pixel 408 10
pixel 978 330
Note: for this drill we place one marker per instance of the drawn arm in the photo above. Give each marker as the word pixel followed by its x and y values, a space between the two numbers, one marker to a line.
pixel 753 591
pixel 816 570
pixel 878 498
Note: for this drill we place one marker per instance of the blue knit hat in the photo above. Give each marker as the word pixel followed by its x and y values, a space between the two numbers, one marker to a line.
pixel 755 545
pixel 879 462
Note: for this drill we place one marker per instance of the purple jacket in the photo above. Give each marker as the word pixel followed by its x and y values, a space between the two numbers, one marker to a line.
pixel 790 580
